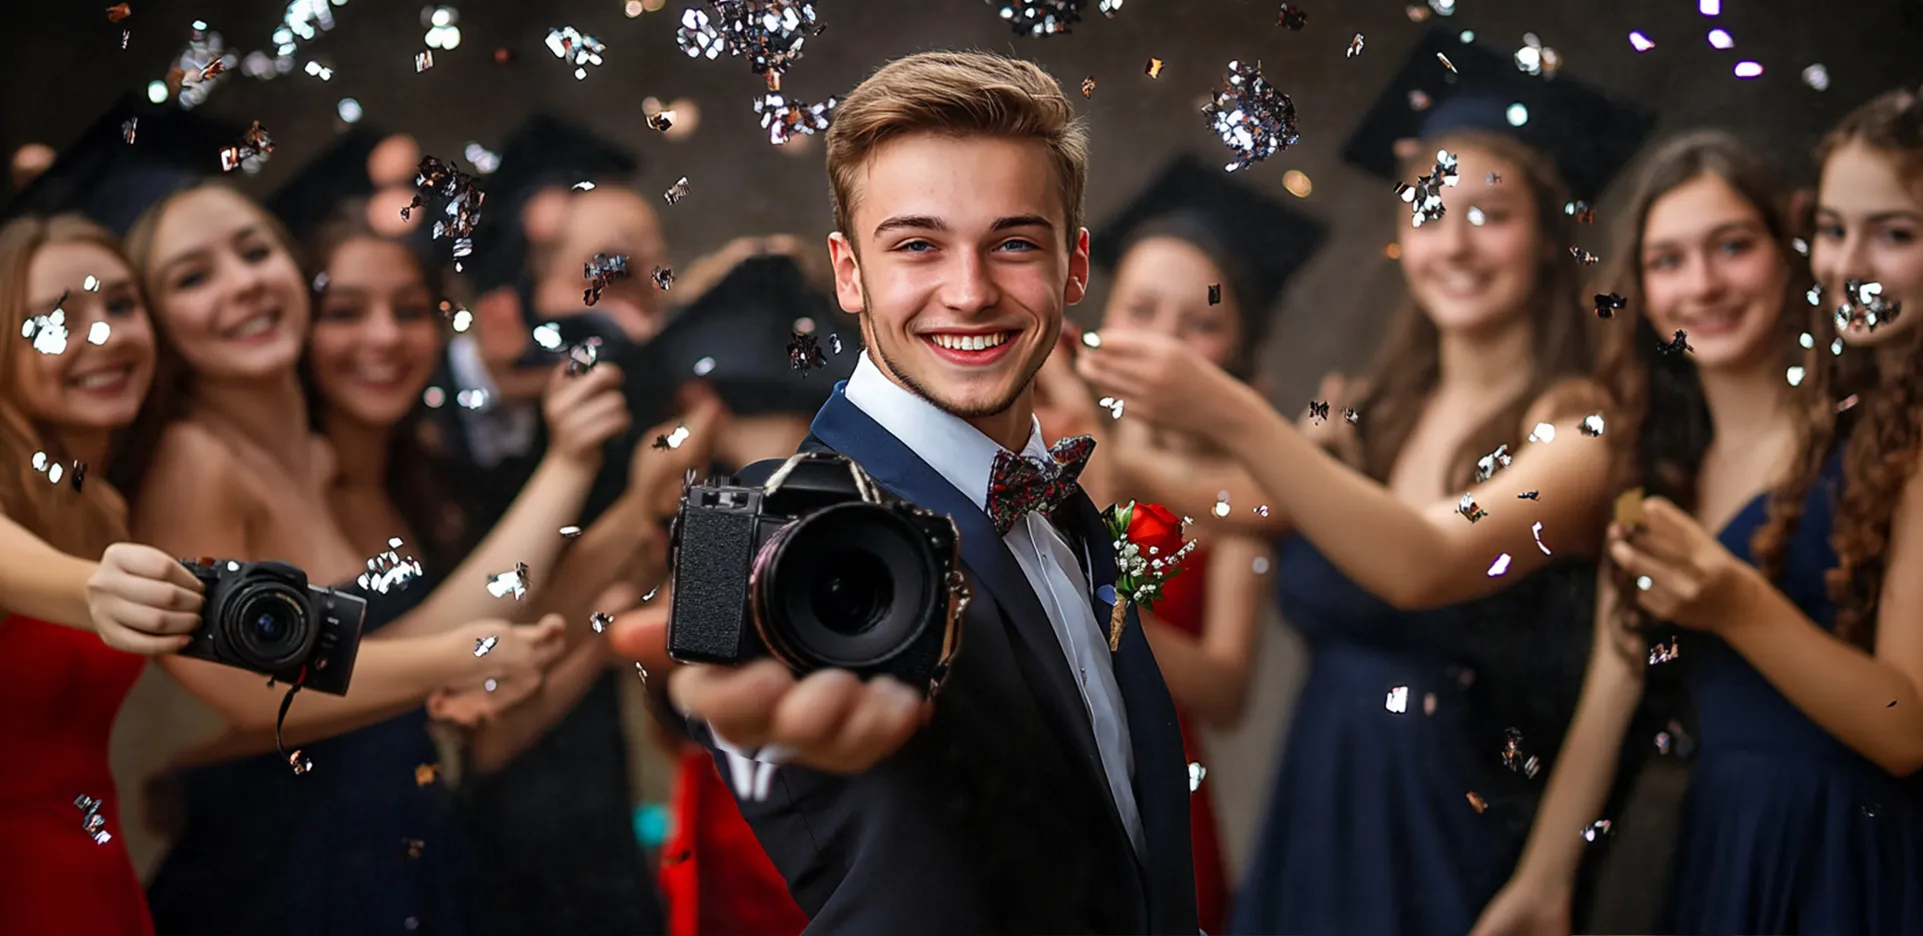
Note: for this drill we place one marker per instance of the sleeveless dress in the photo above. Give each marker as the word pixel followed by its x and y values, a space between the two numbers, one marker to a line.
pixel 354 847
pixel 715 877
pixel 1784 828
pixel 1182 607
pixel 59 691
pixel 1391 810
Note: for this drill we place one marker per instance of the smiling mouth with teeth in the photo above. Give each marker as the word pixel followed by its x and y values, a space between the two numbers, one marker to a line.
pixel 970 342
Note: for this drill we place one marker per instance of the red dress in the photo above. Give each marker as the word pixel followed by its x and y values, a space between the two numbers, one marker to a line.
pixel 1181 608
pixel 59 691
pixel 715 877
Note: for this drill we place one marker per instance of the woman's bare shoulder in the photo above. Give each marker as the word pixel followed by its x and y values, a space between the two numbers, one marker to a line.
pixel 1567 398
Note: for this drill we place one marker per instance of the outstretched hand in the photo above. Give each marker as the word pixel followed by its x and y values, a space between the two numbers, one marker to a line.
pixel 1161 379
pixel 829 720
pixel 143 601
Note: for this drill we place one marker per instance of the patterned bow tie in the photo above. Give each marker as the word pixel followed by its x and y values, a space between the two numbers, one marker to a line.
pixel 1018 485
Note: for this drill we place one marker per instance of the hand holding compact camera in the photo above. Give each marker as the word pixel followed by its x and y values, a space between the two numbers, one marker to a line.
pixel 141 601
pixel 265 617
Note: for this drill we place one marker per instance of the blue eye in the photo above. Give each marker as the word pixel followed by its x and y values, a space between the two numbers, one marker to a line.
pixel 916 246
pixel 1021 243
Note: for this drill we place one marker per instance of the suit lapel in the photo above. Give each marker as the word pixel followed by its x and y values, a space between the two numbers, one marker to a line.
pixel 843 427
pixel 1161 766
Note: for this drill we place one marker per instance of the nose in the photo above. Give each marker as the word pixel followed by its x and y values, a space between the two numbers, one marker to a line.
pixel 382 329
pixel 970 285
pixel 1849 261
pixel 1701 279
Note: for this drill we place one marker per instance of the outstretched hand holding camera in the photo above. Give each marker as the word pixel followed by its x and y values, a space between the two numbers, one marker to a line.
pixel 829 720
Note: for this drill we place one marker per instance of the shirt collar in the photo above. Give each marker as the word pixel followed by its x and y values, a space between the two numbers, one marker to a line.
pixel 956 450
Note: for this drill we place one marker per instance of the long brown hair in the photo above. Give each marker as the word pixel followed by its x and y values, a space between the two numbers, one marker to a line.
pixel 1663 426
pixel 1881 432
pixel 1409 364
pixel 79 523
pixel 417 463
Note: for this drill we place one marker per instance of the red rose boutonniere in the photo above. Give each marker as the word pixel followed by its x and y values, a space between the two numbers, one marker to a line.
pixel 1149 550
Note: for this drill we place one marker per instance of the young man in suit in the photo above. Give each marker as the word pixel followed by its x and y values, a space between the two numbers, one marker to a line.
pixel 1044 790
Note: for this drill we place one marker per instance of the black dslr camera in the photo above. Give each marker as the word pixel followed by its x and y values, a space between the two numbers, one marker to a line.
pixel 818 569
pixel 264 617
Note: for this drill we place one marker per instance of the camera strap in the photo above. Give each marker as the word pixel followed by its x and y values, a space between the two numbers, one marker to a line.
pixel 300 764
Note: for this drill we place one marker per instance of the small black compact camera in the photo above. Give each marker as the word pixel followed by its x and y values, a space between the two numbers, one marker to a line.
pixel 816 568
pixel 264 617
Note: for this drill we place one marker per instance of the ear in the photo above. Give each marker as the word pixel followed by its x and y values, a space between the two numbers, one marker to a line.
pixel 1077 269
pixel 841 252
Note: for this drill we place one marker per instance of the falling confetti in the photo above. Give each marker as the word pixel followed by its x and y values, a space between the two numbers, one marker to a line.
pixel 91 821
pixel 1640 42
pixel 118 12
pixel 1249 115
pixel 1425 196
pixel 461 202
pixel 1748 70
pixel 48 333
pixel 1351 416
pixel 300 762
pixel 662 121
pixel 600 621
pixel 1292 17
pixel 253 150
pixel 1583 256
pixel 1476 217
pixel 1154 68
pixel 1318 411
pixel 1196 773
pixel 1488 465
pixel 804 353
pixel 571 45
pixel 677 191
pixel 1355 46
pixel 672 440
pixel 201 64
pixel 1215 294
pixel 601 271
pixel 570 532
pixel 1581 211
pixel 1534 58
pixel 1476 803
pixel 1500 566
pixel 1608 304
pixel 1514 758
pixel 783 120
pixel 490 685
pixel 1591 425
pixel 1444 59
pixel 1595 830
pixel 57 471
pixel 834 343
pixel 663 278
pixel 1088 86
pixel 1114 405
pixel 1536 531
pixel 425 774
pixel 769 33
pixel 1529 495
pixel 1817 77
pixel 1493 178
pixel 1664 652
pixel 423 60
pixel 389 571
pixel 1676 345
pixel 1091 340
pixel 1865 304
pixel 582 357
pixel 482 645
pixel 411 848
pixel 512 582
pixel 1544 432
pixel 1047 17
pixel 1398 700
pixel 1468 508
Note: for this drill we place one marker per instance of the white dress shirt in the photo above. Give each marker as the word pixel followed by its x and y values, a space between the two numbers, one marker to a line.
pixel 966 458
pixel 499 429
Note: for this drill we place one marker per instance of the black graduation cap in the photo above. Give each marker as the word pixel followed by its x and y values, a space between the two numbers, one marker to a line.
pixel 543 151
pixel 1258 241
pixel 1589 133
pixel 736 337
pixel 308 200
pixel 112 181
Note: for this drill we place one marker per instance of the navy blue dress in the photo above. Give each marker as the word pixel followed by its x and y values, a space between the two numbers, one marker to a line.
pixel 1388 814
pixel 331 852
pixel 1784 828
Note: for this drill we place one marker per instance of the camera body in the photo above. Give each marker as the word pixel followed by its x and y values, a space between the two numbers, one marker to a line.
pixel 264 617
pixel 817 569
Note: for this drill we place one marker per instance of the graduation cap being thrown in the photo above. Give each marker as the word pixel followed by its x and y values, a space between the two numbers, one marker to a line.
pixel 1256 240
pixel 1589 134
pixel 341 180
pixel 543 152
pixel 132 157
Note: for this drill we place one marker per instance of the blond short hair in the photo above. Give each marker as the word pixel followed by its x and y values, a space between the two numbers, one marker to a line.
pixel 961 94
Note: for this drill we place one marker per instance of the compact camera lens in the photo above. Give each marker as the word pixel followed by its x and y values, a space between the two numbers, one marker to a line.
pixel 268 626
pixel 849 586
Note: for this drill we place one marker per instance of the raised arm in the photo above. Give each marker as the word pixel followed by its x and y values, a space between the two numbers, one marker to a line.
pixel 583 412
pixel 1537 898
pixel 1410 557
pixel 1209 674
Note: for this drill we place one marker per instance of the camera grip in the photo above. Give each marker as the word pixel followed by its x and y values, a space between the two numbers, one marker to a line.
pixel 710 622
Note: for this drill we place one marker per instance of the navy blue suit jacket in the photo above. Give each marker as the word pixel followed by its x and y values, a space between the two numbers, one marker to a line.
pixel 996 817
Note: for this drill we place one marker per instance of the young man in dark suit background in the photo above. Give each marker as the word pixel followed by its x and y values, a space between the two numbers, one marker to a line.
pixel 1045 790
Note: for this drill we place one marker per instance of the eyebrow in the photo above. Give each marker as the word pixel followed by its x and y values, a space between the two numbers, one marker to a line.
pixel 1903 214
pixel 1728 227
pixel 251 230
pixel 46 306
pixel 932 223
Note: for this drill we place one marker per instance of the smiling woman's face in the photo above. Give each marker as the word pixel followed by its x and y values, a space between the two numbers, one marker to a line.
pixel 377 337
pixel 224 287
pixel 1869 227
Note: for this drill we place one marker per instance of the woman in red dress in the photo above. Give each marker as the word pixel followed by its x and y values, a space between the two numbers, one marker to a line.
pixel 64 389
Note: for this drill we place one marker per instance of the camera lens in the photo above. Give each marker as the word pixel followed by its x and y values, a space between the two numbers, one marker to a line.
pixel 852 594
pixel 849 586
pixel 269 626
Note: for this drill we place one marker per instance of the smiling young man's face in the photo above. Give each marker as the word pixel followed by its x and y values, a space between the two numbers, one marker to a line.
pixel 957 261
